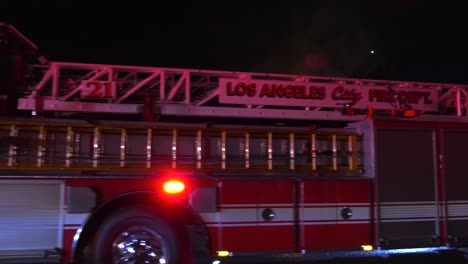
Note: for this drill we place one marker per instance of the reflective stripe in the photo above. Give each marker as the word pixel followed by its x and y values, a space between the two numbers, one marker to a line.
pixel 401 220
pixel 334 222
pixel 75 219
pixel 457 210
pixel 458 218
pixel 408 211
pixel 247 215
pixel 408 203
pixel 334 204
pixel 318 204
pixel 232 215
pixel 252 215
pixel 458 202
pixel 324 213
pixel 71 227
pixel 281 214
pixel 331 213
pixel 250 224
pixel 254 205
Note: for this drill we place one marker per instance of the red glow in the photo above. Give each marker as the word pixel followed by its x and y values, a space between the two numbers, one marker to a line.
pixel 173 186
pixel 410 113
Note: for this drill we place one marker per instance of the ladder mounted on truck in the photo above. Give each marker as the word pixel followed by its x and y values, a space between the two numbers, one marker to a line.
pixel 58 145
pixel 63 87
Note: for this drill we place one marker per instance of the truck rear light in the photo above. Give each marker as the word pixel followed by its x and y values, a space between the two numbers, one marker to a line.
pixel 173 186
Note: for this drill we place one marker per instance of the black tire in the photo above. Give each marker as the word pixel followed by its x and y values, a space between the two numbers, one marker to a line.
pixel 199 244
pixel 139 221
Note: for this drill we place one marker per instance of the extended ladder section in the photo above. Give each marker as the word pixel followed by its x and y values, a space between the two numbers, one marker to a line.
pixel 78 146
pixel 111 89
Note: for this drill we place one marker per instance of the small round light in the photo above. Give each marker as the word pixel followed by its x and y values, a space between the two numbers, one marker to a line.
pixel 173 186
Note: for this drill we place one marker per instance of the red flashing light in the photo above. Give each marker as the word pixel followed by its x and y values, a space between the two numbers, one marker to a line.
pixel 410 113
pixel 173 186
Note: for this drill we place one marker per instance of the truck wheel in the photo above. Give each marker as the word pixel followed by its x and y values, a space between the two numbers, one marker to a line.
pixel 135 236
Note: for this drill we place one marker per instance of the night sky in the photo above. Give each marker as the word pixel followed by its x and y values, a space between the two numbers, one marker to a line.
pixel 412 40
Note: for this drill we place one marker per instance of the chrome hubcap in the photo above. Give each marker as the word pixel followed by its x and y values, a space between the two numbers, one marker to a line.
pixel 139 245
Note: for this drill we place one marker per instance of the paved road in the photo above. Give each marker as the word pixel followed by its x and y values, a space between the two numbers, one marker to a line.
pixel 429 256
pixel 426 256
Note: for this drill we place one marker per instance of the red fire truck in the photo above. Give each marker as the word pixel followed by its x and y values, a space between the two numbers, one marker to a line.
pixel 127 164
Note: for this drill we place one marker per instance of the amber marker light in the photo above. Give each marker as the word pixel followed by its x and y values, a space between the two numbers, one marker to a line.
pixel 367 247
pixel 173 186
pixel 224 253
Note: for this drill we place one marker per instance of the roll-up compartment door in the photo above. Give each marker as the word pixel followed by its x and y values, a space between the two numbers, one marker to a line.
pixel 407 211
pixel 30 215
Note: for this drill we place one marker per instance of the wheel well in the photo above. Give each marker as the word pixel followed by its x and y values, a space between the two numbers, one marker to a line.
pixel 176 214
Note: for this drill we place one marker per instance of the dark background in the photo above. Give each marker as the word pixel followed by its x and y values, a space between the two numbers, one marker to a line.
pixel 413 40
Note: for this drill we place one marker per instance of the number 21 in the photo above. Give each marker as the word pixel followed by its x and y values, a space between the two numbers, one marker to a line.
pixel 99 89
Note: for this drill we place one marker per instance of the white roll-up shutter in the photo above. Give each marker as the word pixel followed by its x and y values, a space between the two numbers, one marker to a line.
pixel 30 214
